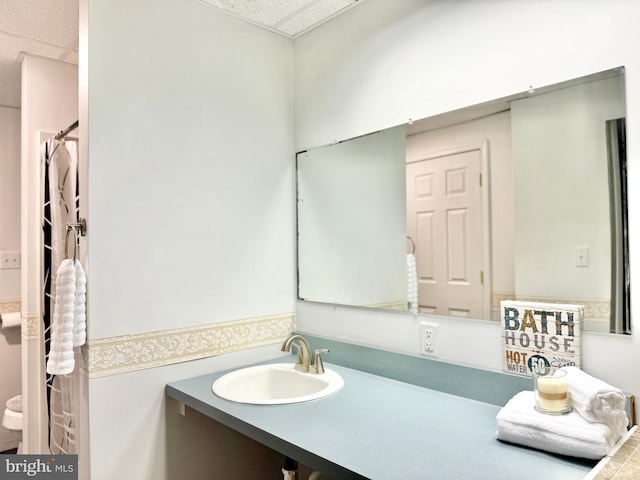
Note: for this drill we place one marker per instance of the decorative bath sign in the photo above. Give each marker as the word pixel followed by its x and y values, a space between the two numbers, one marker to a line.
pixel 536 336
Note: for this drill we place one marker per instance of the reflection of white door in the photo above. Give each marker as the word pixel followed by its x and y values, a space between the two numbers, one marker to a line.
pixel 446 219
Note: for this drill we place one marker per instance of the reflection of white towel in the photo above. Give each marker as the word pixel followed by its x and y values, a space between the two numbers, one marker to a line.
pixel 412 283
pixel 519 422
pixel 597 401
pixel 79 311
pixel 61 360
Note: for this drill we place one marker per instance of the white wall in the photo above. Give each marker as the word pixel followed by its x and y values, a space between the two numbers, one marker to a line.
pixel 10 382
pixel 9 197
pixel 191 201
pixel 561 190
pixel 382 63
pixel 190 170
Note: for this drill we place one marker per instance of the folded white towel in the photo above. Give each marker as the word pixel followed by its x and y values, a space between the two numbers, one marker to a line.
pixel 61 361
pixel 597 401
pixel 519 422
pixel 79 313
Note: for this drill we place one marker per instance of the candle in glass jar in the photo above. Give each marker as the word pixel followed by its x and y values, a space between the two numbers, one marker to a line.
pixel 551 392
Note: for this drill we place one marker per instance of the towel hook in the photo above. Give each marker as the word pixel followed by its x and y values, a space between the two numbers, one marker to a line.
pixel 78 229
pixel 413 245
pixel 70 229
pixel 81 226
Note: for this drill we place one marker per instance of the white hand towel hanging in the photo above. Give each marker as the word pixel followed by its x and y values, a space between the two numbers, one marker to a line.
pixel 61 361
pixel 79 313
pixel 412 283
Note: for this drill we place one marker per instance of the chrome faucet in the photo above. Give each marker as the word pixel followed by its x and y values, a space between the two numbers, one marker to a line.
pixel 304 362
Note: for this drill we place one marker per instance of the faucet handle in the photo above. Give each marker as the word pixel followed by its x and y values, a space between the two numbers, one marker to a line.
pixel 318 366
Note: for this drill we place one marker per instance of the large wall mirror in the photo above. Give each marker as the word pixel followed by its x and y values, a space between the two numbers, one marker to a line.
pixel 519 198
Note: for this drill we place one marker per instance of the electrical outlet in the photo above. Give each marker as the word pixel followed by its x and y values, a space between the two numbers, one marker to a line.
pixel 9 260
pixel 428 338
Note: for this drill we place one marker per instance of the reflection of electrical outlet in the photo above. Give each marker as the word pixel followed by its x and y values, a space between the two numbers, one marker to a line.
pixel 9 260
pixel 582 256
pixel 428 333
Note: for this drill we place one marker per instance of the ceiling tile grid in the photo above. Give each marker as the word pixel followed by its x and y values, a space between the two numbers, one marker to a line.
pixel 262 12
pixel 11 50
pixel 286 17
pixel 318 12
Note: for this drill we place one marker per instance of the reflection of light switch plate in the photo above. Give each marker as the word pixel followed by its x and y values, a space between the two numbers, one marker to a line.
pixel 582 256
pixel 9 260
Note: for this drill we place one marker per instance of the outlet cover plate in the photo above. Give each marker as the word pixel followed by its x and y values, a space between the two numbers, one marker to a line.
pixel 428 339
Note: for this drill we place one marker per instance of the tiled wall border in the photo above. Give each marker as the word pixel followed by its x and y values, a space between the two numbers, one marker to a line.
pixel 598 310
pixel 8 306
pixel 30 323
pixel 31 326
pixel 128 353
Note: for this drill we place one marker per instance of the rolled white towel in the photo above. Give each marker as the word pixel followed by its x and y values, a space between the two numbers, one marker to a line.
pixel 79 313
pixel 412 283
pixel 61 361
pixel 519 422
pixel 596 400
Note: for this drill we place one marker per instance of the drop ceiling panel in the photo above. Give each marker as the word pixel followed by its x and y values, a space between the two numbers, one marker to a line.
pixel 286 17
pixel 262 12
pixel 316 14
pixel 11 48
pixel 54 23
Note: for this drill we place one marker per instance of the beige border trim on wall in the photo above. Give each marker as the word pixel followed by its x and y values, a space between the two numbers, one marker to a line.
pixel 128 353
pixel 30 323
pixel 595 310
pixel 8 306
pixel 31 326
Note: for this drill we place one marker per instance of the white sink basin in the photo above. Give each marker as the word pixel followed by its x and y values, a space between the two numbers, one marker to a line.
pixel 276 384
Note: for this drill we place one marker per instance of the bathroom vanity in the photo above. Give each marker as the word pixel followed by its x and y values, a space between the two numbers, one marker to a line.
pixel 382 428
